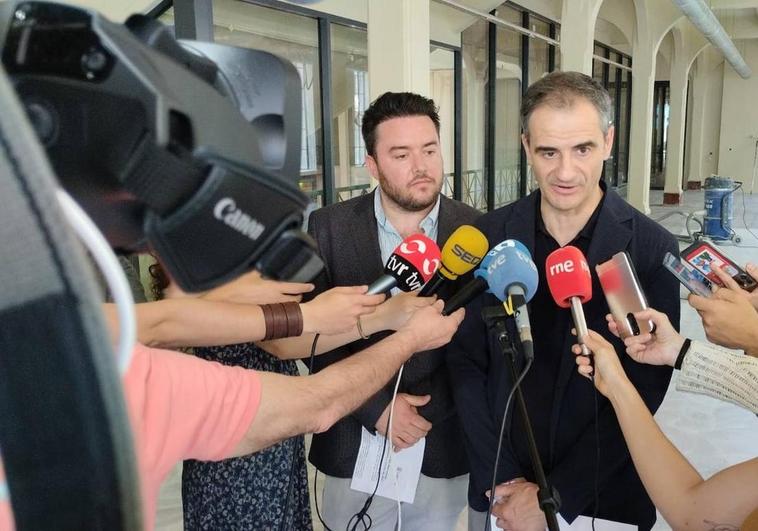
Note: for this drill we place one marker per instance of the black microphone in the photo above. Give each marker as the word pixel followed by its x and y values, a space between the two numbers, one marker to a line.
pixel 466 294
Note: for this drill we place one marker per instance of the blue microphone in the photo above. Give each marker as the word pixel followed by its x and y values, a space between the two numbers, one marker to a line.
pixel 513 278
pixel 478 284
pixel 506 244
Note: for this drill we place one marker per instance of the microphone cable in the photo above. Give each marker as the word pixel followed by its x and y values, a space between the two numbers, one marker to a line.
pixel 362 516
pixel 500 441
pixel 293 465
pixel 596 482
pixel 389 437
pixel 597 452
pixel 315 475
pixel 94 241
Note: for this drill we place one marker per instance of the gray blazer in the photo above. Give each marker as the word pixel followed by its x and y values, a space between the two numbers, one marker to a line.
pixel 346 234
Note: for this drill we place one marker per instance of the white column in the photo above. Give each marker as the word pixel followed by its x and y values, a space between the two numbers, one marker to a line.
pixel 697 134
pixel 641 133
pixel 441 91
pixel 578 34
pixel 398 46
pixel 677 116
pixel 342 173
pixel 474 75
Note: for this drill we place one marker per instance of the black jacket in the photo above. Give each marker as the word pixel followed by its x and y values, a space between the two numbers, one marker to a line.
pixel 481 380
pixel 346 234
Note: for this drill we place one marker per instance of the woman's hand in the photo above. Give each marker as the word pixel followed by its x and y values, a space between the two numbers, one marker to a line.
pixel 607 371
pixel 337 310
pixel 729 318
pixel 251 288
pixel 658 348
pixel 395 311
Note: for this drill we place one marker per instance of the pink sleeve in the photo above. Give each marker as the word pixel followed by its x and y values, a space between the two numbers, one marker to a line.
pixel 182 407
pixel 6 515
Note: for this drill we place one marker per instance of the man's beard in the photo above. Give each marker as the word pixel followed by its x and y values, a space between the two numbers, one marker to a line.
pixel 404 198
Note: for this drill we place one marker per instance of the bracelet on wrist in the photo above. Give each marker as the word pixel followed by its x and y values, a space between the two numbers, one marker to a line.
pixel 682 353
pixel 360 328
pixel 283 319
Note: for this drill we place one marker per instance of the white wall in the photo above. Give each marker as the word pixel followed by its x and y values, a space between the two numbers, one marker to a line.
pixel 712 127
pixel 615 24
pixel 446 24
pixel 686 170
pixel 664 57
pixel 739 119
pixel 608 33
pixel 547 8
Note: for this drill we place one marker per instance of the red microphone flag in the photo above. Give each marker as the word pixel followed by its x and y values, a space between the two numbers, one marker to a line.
pixel 422 253
pixel 568 275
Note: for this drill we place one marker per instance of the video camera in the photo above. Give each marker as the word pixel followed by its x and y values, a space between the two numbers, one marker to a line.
pixel 186 148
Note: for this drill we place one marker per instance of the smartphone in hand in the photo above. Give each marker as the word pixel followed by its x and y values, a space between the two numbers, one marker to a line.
pixel 701 255
pixel 624 295
pixel 690 278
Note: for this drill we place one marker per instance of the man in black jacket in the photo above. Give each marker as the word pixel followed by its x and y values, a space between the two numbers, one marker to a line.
pixel 355 239
pixel 567 134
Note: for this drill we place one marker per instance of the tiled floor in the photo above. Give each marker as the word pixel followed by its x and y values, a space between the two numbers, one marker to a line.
pixel 712 434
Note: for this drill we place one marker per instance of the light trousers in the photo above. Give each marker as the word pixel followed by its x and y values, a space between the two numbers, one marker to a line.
pixel 437 505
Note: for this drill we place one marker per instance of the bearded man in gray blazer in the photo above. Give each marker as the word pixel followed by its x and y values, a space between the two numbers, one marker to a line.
pixel 355 239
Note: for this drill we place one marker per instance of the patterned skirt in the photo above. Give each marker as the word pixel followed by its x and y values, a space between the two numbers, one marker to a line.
pixel 264 491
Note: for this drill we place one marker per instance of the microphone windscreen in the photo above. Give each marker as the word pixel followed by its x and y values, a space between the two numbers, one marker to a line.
pixel 510 243
pixel 480 283
pixel 510 265
pixel 462 251
pixel 414 262
pixel 568 275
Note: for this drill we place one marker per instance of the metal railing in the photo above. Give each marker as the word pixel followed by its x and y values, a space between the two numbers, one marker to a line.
pixel 474 191
pixel 343 193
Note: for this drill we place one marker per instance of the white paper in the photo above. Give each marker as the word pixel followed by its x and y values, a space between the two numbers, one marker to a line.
pixel 583 523
pixel 400 470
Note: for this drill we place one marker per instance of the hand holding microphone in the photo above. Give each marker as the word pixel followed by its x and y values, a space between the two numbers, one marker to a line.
pixel 463 250
pixel 570 283
pixel 337 310
pixel 394 312
pixel 604 368
pixel 410 265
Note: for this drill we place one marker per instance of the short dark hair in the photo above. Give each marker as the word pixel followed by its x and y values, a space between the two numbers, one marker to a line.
pixel 559 90
pixel 395 105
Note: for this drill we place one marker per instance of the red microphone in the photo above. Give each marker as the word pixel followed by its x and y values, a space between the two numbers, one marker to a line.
pixel 570 283
pixel 410 265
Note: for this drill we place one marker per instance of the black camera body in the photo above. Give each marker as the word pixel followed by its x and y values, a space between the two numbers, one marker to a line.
pixel 189 149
